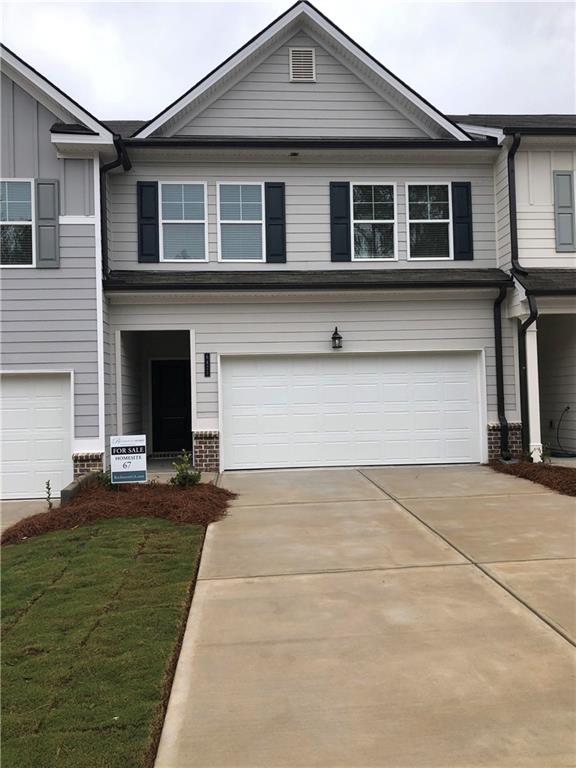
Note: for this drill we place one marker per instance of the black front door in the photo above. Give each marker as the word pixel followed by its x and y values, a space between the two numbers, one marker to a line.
pixel 171 407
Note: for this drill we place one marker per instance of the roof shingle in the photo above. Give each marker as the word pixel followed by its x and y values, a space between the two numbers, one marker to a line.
pixel 282 280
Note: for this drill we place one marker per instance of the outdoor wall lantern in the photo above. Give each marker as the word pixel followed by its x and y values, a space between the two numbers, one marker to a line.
pixel 336 339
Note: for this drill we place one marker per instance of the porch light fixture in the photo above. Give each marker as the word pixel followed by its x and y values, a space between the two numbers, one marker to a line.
pixel 336 339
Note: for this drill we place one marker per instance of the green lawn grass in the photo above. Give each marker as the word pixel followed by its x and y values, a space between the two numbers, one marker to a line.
pixel 91 619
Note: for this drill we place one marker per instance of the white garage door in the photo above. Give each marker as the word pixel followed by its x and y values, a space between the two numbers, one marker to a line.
pixel 36 442
pixel 335 410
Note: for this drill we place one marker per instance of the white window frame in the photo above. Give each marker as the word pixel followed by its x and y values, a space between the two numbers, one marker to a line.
pixel 448 221
pixel 32 223
pixel 262 222
pixel 393 221
pixel 163 221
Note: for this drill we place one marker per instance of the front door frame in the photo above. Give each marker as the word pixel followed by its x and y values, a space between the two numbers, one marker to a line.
pixel 118 370
pixel 150 398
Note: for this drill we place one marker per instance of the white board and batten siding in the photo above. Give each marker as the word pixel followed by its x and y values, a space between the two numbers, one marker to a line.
pixel 307 206
pixel 28 153
pixel 400 323
pixel 340 409
pixel 265 103
pixel 535 206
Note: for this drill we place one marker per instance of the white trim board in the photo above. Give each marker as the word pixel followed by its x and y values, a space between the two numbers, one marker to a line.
pixel 99 310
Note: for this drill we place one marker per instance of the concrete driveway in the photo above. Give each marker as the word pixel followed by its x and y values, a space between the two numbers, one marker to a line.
pixel 389 617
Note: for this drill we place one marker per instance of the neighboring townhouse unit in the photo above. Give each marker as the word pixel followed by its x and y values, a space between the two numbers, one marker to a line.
pixel 52 353
pixel 545 278
pixel 304 264
pixel 536 170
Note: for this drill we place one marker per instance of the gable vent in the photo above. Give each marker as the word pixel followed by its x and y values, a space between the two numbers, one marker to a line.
pixel 302 65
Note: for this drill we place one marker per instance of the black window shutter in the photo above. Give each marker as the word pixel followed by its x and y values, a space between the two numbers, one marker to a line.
pixel 462 220
pixel 274 196
pixel 47 218
pixel 340 221
pixel 148 228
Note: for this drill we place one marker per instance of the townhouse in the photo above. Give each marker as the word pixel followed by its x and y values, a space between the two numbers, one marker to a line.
pixel 300 262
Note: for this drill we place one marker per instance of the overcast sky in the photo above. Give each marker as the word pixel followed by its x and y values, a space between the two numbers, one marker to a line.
pixel 130 59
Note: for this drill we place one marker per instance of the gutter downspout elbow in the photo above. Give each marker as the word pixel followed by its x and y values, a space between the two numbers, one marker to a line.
pixel 500 397
pixel 123 160
pixel 512 205
pixel 524 410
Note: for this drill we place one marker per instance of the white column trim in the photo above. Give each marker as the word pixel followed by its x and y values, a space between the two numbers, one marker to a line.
pixel 118 372
pixel 86 445
pixel 535 438
pixel 193 383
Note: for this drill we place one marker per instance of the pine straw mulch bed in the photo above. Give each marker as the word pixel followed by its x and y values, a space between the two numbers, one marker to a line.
pixel 554 476
pixel 201 504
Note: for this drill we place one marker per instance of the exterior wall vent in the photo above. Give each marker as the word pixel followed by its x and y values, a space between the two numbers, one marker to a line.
pixel 302 65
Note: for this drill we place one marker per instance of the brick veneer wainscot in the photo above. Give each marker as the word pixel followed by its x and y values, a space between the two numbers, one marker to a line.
pixel 514 441
pixel 84 463
pixel 207 446
pixel 207 451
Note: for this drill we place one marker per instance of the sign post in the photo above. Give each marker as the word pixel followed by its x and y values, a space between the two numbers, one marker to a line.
pixel 128 459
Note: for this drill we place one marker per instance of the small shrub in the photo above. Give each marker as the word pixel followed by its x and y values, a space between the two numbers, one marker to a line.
pixel 49 494
pixel 103 479
pixel 185 475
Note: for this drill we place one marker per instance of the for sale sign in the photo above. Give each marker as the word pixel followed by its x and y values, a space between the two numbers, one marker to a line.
pixel 128 458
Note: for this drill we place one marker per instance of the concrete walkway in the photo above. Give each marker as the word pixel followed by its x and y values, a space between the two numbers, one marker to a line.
pixel 410 617
pixel 13 511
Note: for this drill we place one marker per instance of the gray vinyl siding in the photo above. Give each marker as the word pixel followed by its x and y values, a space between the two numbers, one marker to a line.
pixel 109 374
pixel 307 206
pixel 130 358
pixel 396 324
pixel 27 151
pixel 557 369
pixel 265 103
pixel 503 248
pixel 48 321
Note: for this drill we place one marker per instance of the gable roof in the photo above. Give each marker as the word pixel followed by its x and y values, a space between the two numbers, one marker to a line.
pixel 54 97
pixel 303 12
pixel 125 128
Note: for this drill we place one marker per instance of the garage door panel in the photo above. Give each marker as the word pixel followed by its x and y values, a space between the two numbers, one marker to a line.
pixel 36 441
pixel 330 410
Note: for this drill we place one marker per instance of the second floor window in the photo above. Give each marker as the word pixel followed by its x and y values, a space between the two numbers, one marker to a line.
pixel 241 222
pixel 16 228
pixel 373 221
pixel 182 222
pixel 429 221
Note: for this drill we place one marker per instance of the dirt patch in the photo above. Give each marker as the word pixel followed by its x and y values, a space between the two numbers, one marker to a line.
pixel 560 479
pixel 201 504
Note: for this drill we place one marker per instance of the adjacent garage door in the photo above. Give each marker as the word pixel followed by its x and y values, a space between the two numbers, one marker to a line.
pixel 36 441
pixel 336 410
